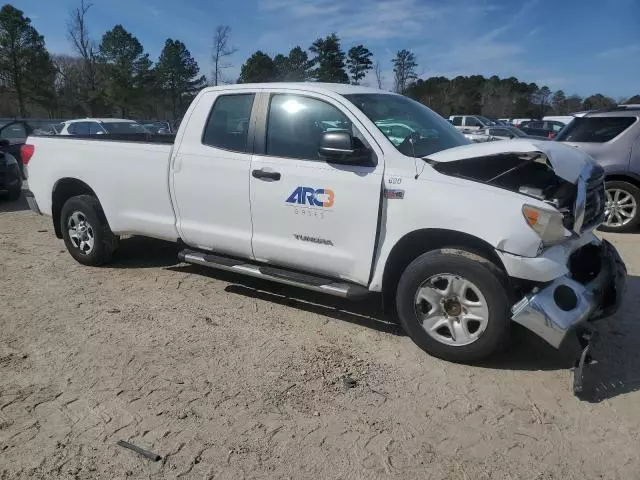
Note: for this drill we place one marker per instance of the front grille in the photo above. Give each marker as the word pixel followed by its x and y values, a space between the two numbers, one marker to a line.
pixel 595 202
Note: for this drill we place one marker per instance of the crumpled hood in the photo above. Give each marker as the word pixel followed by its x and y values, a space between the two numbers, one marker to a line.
pixel 567 162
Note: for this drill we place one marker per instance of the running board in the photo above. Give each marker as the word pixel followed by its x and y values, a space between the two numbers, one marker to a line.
pixel 280 275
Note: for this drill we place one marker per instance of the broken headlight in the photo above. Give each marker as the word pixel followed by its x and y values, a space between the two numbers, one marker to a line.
pixel 546 223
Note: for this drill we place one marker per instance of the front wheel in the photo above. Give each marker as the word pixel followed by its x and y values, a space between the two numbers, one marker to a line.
pixel 622 207
pixel 86 232
pixel 454 305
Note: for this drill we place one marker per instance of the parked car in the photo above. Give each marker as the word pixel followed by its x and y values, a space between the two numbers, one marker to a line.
pixel 542 128
pixel 470 122
pixel 460 239
pixel 13 135
pixel 10 174
pixel 101 126
pixel 478 136
pixel 564 119
pixel 516 122
pixel 505 132
pixel 612 137
pixel 159 127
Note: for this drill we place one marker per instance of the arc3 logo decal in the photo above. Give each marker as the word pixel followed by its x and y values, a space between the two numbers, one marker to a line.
pixel 321 197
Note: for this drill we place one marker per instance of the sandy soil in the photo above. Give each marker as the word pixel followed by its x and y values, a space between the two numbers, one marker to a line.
pixel 230 378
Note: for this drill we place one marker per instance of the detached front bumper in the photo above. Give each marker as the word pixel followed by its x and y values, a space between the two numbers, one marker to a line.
pixel 592 290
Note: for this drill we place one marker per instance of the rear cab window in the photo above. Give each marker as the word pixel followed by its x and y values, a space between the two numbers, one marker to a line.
pixel 228 123
pixel 595 129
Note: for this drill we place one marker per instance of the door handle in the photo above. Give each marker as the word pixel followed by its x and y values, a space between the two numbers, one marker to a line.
pixel 266 175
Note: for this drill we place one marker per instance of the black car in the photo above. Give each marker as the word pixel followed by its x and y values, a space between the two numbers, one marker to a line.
pixel 10 174
pixel 542 128
pixel 12 136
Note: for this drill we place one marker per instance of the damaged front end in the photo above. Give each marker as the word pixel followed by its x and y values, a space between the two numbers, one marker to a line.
pixel 579 200
pixel 584 277
pixel 592 290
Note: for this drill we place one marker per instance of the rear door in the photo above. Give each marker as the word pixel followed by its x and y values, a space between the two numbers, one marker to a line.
pixel 309 214
pixel 210 174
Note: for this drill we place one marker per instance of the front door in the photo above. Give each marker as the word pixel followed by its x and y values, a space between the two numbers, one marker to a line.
pixel 309 214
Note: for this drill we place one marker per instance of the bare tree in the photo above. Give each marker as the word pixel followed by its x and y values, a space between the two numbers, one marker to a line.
pixel 85 47
pixel 221 50
pixel 378 71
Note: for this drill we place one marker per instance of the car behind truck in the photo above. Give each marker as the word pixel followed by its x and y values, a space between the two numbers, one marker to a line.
pixel 304 184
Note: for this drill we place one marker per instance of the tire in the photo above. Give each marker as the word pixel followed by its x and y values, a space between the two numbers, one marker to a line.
pixel 14 194
pixel 485 296
pixel 93 242
pixel 628 204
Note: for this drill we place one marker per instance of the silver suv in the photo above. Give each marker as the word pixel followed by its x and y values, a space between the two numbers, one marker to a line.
pixel 612 138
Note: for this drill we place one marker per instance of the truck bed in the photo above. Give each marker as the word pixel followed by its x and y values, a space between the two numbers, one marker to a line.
pixel 130 176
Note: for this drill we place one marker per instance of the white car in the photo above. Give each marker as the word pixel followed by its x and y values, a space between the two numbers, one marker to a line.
pixel 100 126
pixel 470 122
pixel 308 184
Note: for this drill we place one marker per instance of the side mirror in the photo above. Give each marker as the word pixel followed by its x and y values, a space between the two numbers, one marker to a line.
pixel 512 136
pixel 336 145
pixel 163 131
pixel 99 132
pixel 339 146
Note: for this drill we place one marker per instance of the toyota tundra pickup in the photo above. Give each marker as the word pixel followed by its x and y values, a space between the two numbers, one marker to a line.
pixel 349 190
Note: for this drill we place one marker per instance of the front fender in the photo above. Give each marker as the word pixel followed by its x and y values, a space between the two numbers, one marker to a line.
pixel 492 215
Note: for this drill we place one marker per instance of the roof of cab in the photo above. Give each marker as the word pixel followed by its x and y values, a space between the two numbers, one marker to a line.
pixel 339 88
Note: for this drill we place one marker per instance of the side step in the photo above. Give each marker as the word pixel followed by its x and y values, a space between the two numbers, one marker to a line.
pixel 280 275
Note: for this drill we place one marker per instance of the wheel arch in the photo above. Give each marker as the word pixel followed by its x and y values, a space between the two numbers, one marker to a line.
pixel 623 177
pixel 415 243
pixel 63 190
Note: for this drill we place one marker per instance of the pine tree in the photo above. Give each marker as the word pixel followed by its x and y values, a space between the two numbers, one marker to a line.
pixel 359 63
pixel 329 60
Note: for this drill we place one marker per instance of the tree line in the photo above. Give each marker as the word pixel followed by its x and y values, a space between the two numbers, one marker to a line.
pixel 116 77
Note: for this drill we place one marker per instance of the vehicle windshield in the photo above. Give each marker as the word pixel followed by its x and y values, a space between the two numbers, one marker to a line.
pixel 415 130
pixel 124 127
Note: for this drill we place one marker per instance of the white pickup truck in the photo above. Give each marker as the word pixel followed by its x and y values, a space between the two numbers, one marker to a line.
pixel 316 186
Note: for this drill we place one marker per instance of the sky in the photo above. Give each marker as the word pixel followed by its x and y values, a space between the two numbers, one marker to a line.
pixel 579 46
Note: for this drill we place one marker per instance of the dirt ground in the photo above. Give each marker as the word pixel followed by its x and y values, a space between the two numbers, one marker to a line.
pixel 230 378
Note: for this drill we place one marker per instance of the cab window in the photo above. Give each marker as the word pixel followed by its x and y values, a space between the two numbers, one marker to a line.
pixel 296 123
pixel 228 123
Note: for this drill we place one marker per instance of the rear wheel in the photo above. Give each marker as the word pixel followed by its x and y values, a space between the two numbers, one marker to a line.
pixel 454 305
pixel 86 233
pixel 622 207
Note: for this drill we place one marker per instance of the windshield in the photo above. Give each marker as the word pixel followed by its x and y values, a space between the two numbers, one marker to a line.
pixel 123 127
pixel 412 128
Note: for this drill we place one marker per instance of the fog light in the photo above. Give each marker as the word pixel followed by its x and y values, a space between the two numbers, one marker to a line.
pixel 565 298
